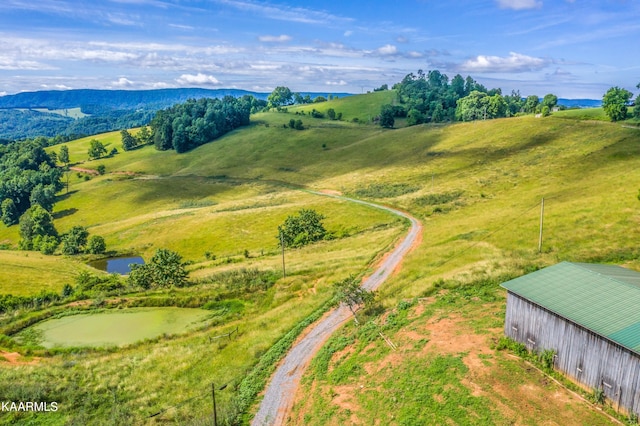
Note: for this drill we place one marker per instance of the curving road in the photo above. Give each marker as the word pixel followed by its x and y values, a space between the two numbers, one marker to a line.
pixel 280 393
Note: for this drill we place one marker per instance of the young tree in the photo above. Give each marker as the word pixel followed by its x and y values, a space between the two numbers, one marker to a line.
pixel 302 229
pixel 144 136
pixel 331 113
pixel 35 224
pixel 349 292
pixel 96 245
pixel 298 125
pixel 45 195
pixel 387 119
pixel 530 104
pixel 128 141
pixel 614 103
pixel 140 276
pixel 96 149
pixel 550 100
pixel 74 241
pixel 168 269
pixel 63 155
pixel 281 96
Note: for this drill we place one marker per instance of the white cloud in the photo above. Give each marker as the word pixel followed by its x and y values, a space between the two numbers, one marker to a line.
pixel 275 39
pixel 120 19
pixel 515 62
pixel 3 94
pixel 8 63
pixel 387 49
pixel 198 79
pixel 348 33
pixel 55 86
pixel 182 27
pixel 336 83
pixel 284 13
pixel 123 82
pixel 519 4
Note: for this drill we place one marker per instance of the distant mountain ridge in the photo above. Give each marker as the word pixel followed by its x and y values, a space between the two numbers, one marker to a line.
pixel 45 113
pixel 580 103
pixel 123 99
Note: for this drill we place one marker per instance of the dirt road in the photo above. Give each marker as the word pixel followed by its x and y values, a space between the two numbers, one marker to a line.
pixel 280 392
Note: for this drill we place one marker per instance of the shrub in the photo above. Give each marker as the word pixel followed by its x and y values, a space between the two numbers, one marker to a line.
pixel 302 229
pixel 96 245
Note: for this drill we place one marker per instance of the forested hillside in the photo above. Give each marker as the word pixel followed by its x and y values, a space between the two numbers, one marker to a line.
pixel 106 109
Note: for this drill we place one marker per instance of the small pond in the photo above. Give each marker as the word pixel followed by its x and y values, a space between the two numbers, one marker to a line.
pixel 117 265
pixel 114 327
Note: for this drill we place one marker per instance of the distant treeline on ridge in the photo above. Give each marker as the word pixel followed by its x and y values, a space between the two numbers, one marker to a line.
pixel 195 122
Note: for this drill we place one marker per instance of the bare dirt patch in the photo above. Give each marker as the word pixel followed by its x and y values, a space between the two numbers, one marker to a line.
pixel 14 358
pixel 331 192
pixel 83 170
pixel 519 393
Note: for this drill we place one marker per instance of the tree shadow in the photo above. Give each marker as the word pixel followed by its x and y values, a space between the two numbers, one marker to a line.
pixel 64 213
pixel 66 195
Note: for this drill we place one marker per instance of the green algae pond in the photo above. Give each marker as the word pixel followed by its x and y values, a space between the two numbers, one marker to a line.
pixel 116 327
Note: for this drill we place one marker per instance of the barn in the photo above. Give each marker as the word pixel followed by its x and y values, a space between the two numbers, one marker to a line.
pixel 589 315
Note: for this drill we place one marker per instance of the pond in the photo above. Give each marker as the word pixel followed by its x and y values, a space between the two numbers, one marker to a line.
pixel 114 327
pixel 117 265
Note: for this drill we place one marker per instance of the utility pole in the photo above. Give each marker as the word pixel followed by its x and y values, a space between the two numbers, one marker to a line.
pixel 215 411
pixel 541 226
pixel 213 395
pixel 67 173
pixel 284 271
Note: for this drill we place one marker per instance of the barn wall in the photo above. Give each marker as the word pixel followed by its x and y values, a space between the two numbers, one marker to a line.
pixel 585 356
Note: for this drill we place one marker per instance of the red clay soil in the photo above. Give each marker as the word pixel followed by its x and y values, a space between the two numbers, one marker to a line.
pixel 14 358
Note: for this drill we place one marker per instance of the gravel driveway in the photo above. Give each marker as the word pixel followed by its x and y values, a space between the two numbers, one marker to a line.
pixel 281 391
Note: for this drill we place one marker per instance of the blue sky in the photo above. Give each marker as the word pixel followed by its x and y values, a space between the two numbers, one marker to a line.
pixel 572 48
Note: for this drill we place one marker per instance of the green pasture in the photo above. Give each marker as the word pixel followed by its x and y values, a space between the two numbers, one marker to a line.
pixel 28 273
pixel 476 187
pixel 583 114
pixel 362 107
pixel 116 327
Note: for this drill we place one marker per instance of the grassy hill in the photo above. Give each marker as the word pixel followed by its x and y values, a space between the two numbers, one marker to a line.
pixel 476 186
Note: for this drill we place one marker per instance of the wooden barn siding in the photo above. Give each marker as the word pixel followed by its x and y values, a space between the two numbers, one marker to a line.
pixel 604 363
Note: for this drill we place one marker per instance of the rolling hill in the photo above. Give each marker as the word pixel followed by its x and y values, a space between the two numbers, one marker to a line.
pixel 476 187
pixel 46 112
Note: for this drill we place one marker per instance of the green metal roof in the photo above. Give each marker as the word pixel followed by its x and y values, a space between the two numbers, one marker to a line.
pixel 602 298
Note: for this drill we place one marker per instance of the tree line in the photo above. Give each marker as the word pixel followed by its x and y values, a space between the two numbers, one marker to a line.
pixel 185 126
pixel 28 176
pixel 432 98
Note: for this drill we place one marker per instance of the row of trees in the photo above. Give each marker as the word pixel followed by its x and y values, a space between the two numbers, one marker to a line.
pixel 193 123
pixel 283 96
pixel 130 142
pixel 37 232
pixel 432 98
pixel 28 176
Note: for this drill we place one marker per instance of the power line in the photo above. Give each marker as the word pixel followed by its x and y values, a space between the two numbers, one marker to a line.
pixel 179 405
